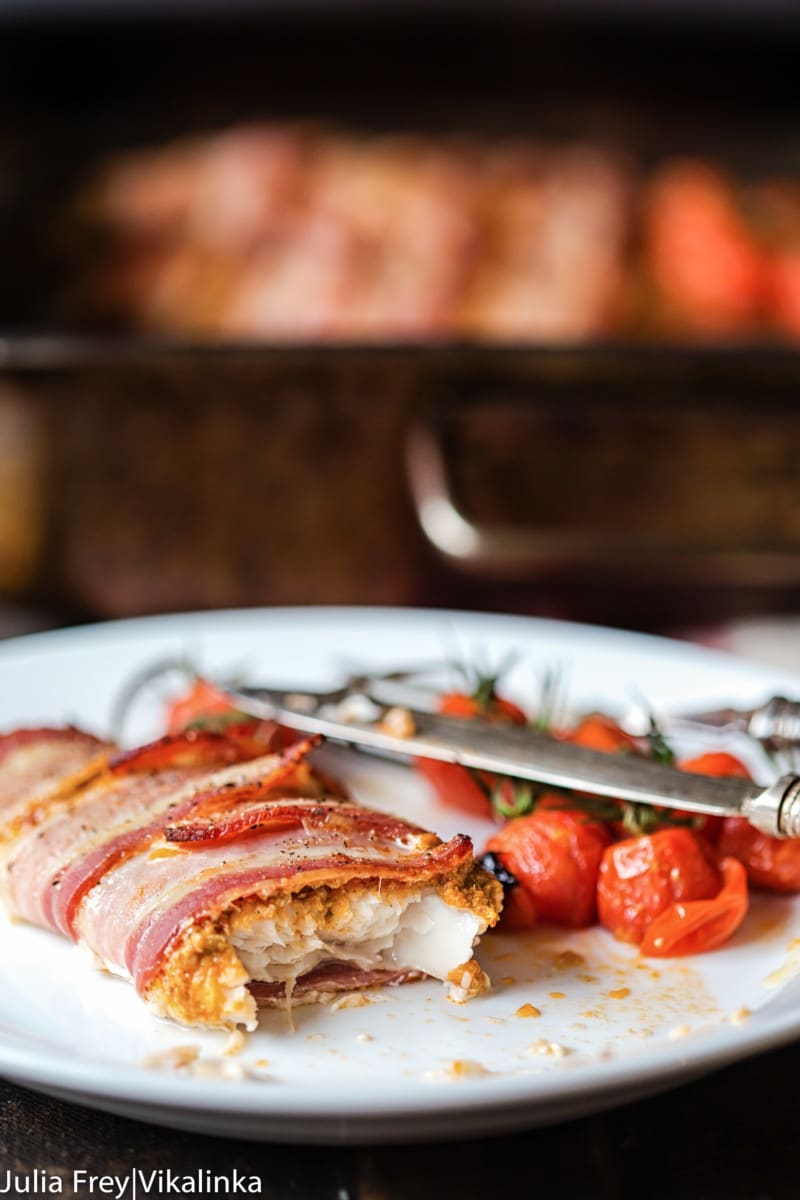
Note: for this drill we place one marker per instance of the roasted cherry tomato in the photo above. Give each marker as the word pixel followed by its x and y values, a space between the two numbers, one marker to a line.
pixel 456 787
pixel 555 856
pixel 771 863
pixel 490 708
pixel 202 700
pixel 664 892
pixel 716 763
pixel 699 925
pixel 204 705
pixel 642 877
pixel 598 732
pixel 519 910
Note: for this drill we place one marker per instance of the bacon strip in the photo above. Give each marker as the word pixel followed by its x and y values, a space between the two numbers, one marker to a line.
pixel 39 766
pixel 332 977
pixel 200 747
pixel 91 822
pixel 228 795
pixel 43 735
pixel 173 839
pixel 310 815
pixel 68 887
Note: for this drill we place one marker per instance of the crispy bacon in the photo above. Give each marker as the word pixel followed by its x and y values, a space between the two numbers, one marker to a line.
pixel 200 747
pixel 345 818
pixel 228 795
pixel 222 829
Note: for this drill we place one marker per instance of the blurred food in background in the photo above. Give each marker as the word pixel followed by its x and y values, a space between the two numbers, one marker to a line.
pixel 292 232
pixel 494 309
pixel 289 232
pixel 721 258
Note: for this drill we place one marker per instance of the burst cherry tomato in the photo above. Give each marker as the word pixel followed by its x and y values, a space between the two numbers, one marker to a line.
pixel 699 925
pixel 555 856
pixel 642 876
pixel 771 863
pixel 652 883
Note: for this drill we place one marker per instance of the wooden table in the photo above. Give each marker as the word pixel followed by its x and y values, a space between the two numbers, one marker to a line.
pixel 730 1135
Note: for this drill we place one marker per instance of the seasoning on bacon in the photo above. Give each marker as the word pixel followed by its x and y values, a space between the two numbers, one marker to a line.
pixel 39 767
pixel 218 875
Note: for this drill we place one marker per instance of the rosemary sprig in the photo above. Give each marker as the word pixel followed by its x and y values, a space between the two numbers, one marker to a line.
pixel 660 749
pixel 513 798
pixel 482 684
pixel 549 700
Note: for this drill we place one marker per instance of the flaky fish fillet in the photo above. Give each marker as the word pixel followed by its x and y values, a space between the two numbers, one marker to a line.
pixel 218 875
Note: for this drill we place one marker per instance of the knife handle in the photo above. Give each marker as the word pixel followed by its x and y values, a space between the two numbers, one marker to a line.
pixel 776 810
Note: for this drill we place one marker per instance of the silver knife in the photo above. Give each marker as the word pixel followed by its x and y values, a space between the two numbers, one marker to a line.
pixel 524 753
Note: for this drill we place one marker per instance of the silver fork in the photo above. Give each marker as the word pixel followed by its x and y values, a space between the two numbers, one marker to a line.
pixel 775 724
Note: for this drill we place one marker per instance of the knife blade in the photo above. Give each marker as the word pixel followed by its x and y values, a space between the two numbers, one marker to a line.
pixel 524 753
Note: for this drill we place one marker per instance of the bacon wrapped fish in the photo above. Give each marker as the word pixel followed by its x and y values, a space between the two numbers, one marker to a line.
pixel 218 874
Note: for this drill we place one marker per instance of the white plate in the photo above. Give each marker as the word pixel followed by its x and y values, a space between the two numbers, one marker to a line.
pixel 383 1071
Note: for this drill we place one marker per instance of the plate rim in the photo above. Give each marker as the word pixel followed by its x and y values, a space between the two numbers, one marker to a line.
pixel 20 643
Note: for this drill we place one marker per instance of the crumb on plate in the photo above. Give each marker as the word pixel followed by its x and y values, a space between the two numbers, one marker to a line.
pixel 548 1049
pixel 528 1010
pixel 174 1058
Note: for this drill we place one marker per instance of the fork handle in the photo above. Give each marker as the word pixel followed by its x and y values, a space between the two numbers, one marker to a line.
pixel 776 724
